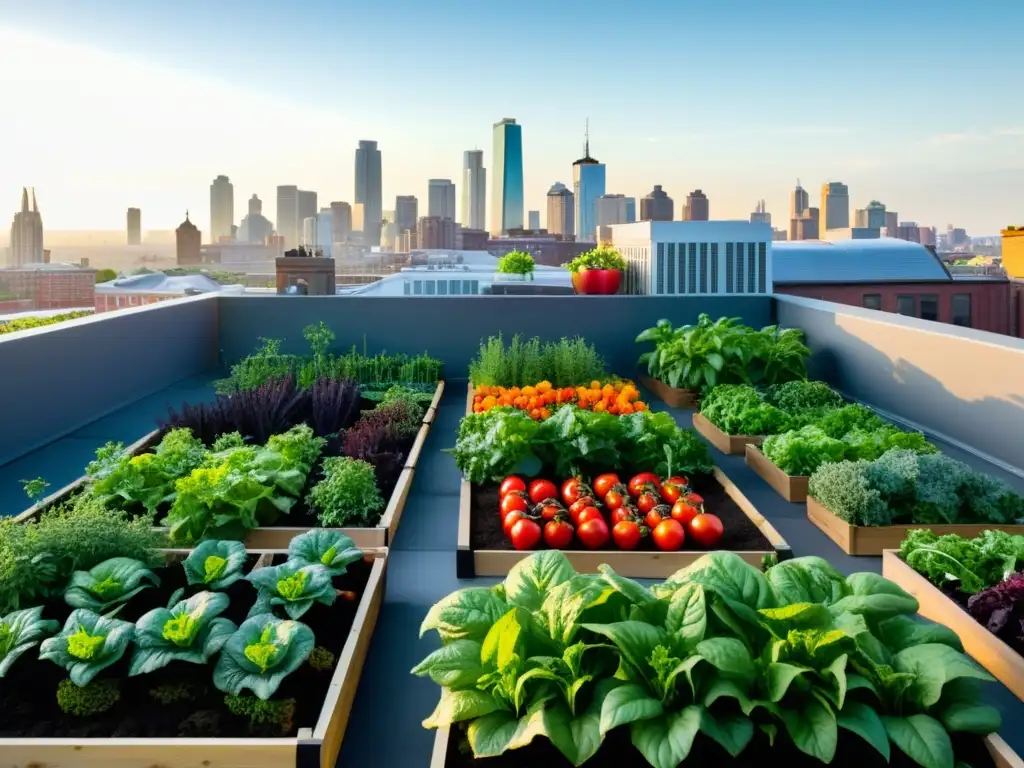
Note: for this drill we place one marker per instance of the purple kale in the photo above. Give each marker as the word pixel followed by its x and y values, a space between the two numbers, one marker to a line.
pixel 207 421
pixel 334 405
pixel 1001 609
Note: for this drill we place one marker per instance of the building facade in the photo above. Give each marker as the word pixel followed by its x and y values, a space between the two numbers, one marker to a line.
pixel 188 241
pixel 49 286
pixel 474 190
pixel 134 226
pixel 799 201
pixel 441 198
pixel 533 220
pixel 909 231
pixel 435 232
pixel 588 180
pixel 835 206
pixel 222 209
pixel 561 219
pixel 871 216
pixel 612 209
pixel 507 182
pixel 407 213
pixel 656 205
pixel 341 221
pixel 697 207
pixel 369 190
pixel 807 226
pixel 27 234
pixel 287 215
pixel 760 214
pixel 255 227
pixel 307 206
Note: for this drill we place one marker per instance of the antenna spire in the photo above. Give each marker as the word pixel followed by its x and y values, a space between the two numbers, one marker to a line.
pixel 586 140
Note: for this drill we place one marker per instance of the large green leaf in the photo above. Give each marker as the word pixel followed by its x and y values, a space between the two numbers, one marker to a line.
pixel 901 632
pixel 666 740
pixel 454 665
pixel 583 598
pixel 795 616
pixel 732 732
pixel 875 597
pixel 496 733
pixel 813 728
pixel 261 654
pixel 636 594
pixel 530 580
pixel 215 564
pixel 191 631
pixel 320 546
pixel 20 631
pixel 636 640
pixel 577 737
pixel 467 614
pixel 742 586
pixel 292 585
pixel 857 717
pixel 780 677
pixel 933 665
pixel 971 718
pixel 729 656
pixel 87 644
pixel 922 739
pixel 627 704
pixel 111 583
pixel 458 706
pixel 502 640
pixel 687 615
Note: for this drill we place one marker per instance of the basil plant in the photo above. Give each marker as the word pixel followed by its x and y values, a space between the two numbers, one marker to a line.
pixel 261 654
pixel 109 584
pixel 216 564
pixel 331 549
pixel 88 644
pixel 190 631
pixel 292 585
pixel 21 631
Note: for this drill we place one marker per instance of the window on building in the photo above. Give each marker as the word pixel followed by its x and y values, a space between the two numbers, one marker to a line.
pixel 740 263
pixel 714 267
pixel 703 267
pixel 417 287
pixel 930 307
pixel 671 278
pixel 751 267
pixel 407 289
pixel 961 314
pixel 442 287
pixel 453 287
pixel 872 301
pixel 762 268
pixel 730 283
pixel 906 305
pixel 691 268
pixel 661 269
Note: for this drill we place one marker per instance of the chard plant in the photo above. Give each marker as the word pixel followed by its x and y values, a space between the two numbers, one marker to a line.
pixel 191 631
pixel 109 584
pixel 88 644
pixel 332 549
pixel 215 564
pixel 292 585
pixel 261 654
pixel 21 631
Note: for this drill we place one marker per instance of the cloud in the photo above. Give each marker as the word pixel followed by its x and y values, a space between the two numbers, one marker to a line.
pixel 973 136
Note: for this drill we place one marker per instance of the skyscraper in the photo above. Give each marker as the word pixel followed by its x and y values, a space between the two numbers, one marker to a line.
pixel 697 207
pixel 306 206
pixel 507 181
pixel 255 227
pixel 134 226
pixel 474 190
pixel 222 208
pixel 760 214
pixel 341 222
pixel 188 240
pixel 441 198
pixel 630 210
pixel 611 209
pixel 561 211
pixel 533 220
pixel 27 234
pixel 798 206
pixel 835 206
pixel 871 217
pixel 368 190
pixel 288 224
pixel 657 206
pixel 407 213
pixel 588 180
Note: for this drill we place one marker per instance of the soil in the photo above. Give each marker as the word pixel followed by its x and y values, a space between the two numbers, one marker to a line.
pixel 28 704
pixel 617 751
pixel 740 534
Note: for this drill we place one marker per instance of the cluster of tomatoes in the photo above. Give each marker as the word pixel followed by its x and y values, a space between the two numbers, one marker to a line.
pixel 667 511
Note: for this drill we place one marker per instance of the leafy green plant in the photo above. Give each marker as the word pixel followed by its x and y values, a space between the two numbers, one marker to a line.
pixel 516 263
pixel 215 564
pixel 34 489
pixel 602 257
pixel 28 323
pixel 331 549
pixel 292 585
pixel 974 564
pixel 321 659
pixel 738 409
pixel 21 631
pixel 802 451
pixel 109 584
pixel 191 630
pixel 348 493
pixel 795 397
pixel 93 698
pixel 698 356
pixel 526 362
pixel 280 714
pixel 87 644
pixel 261 654
pixel 780 356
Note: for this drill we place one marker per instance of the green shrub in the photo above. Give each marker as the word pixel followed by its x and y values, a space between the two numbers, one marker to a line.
pixel 92 699
pixel 321 659
pixel 348 494
pixel 279 714
pixel 516 263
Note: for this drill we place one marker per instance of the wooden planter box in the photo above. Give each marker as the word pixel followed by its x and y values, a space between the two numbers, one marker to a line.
pixel 792 488
pixel 278 537
pixel 1005 664
pixel 1002 755
pixel 312 747
pixel 672 396
pixel 470 563
pixel 734 445
pixel 874 539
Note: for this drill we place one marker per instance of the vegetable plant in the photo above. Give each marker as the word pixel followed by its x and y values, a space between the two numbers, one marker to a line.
pixel 190 630
pixel 516 263
pixel 331 549
pixel 741 410
pixel 87 644
pixel 292 585
pixel 109 584
pixel 525 362
pixel 261 653
pixel 215 565
pixel 1000 608
pixel 698 356
pixel 21 631
pixel 602 257
pixel 347 494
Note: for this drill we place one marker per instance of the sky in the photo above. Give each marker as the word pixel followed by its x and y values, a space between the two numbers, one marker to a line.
pixel 110 104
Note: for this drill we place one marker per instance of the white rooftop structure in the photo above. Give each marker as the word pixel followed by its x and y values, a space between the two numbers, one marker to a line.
pixel 159 283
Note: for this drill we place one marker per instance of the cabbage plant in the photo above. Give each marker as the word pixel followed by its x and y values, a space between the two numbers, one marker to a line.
pixel 292 585
pixel 88 644
pixel 191 630
pixel 20 631
pixel 261 654
pixel 331 549
pixel 216 564
pixel 111 583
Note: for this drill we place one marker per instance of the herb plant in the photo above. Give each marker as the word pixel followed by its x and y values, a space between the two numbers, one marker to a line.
pixel 602 257
pixel 215 564
pixel 109 584
pixel 191 631
pixel 332 549
pixel 261 654
pixel 347 495
pixel 88 644
pixel 292 585
pixel 21 631
pixel 516 263
pixel 524 362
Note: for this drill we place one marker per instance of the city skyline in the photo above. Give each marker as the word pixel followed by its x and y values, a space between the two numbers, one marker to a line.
pixel 918 167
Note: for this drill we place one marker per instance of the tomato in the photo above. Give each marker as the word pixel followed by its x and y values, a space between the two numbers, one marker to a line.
pixel 542 490
pixel 593 534
pixel 603 484
pixel 647 502
pixel 652 518
pixel 614 499
pixel 525 534
pixel 574 489
pixel 684 512
pixel 588 513
pixel 558 534
pixel 622 513
pixel 694 499
pixel 514 501
pixel 706 529
pixel 639 483
pixel 626 534
pixel 510 484
pixel 579 506
pixel 513 517
pixel 550 511
pixel 673 488
pixel 668 535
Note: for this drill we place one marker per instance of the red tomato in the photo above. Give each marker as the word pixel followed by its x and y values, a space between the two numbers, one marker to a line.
pixel 626 534
pixel 525 534
pixel 588 513
pixel 579 506
pixel 542 490
pixel 511 483
pixel 574 489
pixel 622 513
pixel 639 483
pixel 593 534
pixel 673 488
pixel 668 535
pixel 513 517
pixel 513 502
pixel 694 499
pixel 684 512
pixel 652 518
pixel 647 502
pixel 558 534
pixel 550 511
pixel 614 499
pixel 706 529
pixel 603 484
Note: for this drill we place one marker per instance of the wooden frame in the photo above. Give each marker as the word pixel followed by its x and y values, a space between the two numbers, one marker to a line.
pixel 1002 754
pixel 277 537
pixel 310 748
pixel 792 488
pixel 470 563
pixel 733 445
pixel 1005 664
pixel 688 399
pixel 875 539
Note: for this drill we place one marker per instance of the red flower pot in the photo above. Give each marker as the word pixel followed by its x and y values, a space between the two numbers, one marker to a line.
pixel 597 282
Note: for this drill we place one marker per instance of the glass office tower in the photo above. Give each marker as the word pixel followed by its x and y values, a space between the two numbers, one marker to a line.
pixel 507 184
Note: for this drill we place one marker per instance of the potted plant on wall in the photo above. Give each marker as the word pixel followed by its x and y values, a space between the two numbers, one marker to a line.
pixel 518 264
pixel 597 272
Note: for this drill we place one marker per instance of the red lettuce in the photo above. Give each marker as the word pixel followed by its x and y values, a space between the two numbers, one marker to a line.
pixel 1001 609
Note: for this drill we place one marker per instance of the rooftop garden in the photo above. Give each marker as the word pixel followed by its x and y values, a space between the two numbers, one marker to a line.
pixel 27 323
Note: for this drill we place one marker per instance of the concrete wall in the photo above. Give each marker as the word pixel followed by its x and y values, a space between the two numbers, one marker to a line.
pixel 56 379
pixel 451 328
pixel 962 385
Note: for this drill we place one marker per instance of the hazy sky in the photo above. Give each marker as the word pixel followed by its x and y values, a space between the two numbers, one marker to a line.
pixel 110 104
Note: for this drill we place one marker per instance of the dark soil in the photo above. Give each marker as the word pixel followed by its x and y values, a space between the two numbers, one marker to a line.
pixel 618 752
pixel 28 703
pixel 740 534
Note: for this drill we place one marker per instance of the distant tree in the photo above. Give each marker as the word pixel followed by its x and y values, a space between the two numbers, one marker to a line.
pixel 105 275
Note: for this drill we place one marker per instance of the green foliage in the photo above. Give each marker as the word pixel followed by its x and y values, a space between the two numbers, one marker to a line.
pixel 280 714
pixel 331 549
pixel 261 654
pixel 602 257
pixel 91 699
pixel 422 395
pixel 293 586
pixel 321 659
pixel 718 649
pixel 347 495
pixel 975 564
pixel 526 362
pixel 500 441
pixel 105 275
pixel 174 693
pixel 21 631
pixel 516 263
pixel 191 631
pixel 798 396
pixel 217 275
pixel 738 409
pixel 34 488
pixel 800 452
pixel 28 323
pixel 88 644
pixel 215 564
pixel 109 584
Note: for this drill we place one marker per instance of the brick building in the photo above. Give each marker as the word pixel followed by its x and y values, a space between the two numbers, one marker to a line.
pixel 549 250
pixel 47 286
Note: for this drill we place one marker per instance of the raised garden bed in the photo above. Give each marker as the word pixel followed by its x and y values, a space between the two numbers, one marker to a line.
pixel 673 397
pixel 875 539
pixel 139 732
pixel 792 488
pixel 1002 661
pixel 733 445
pixel 301 518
